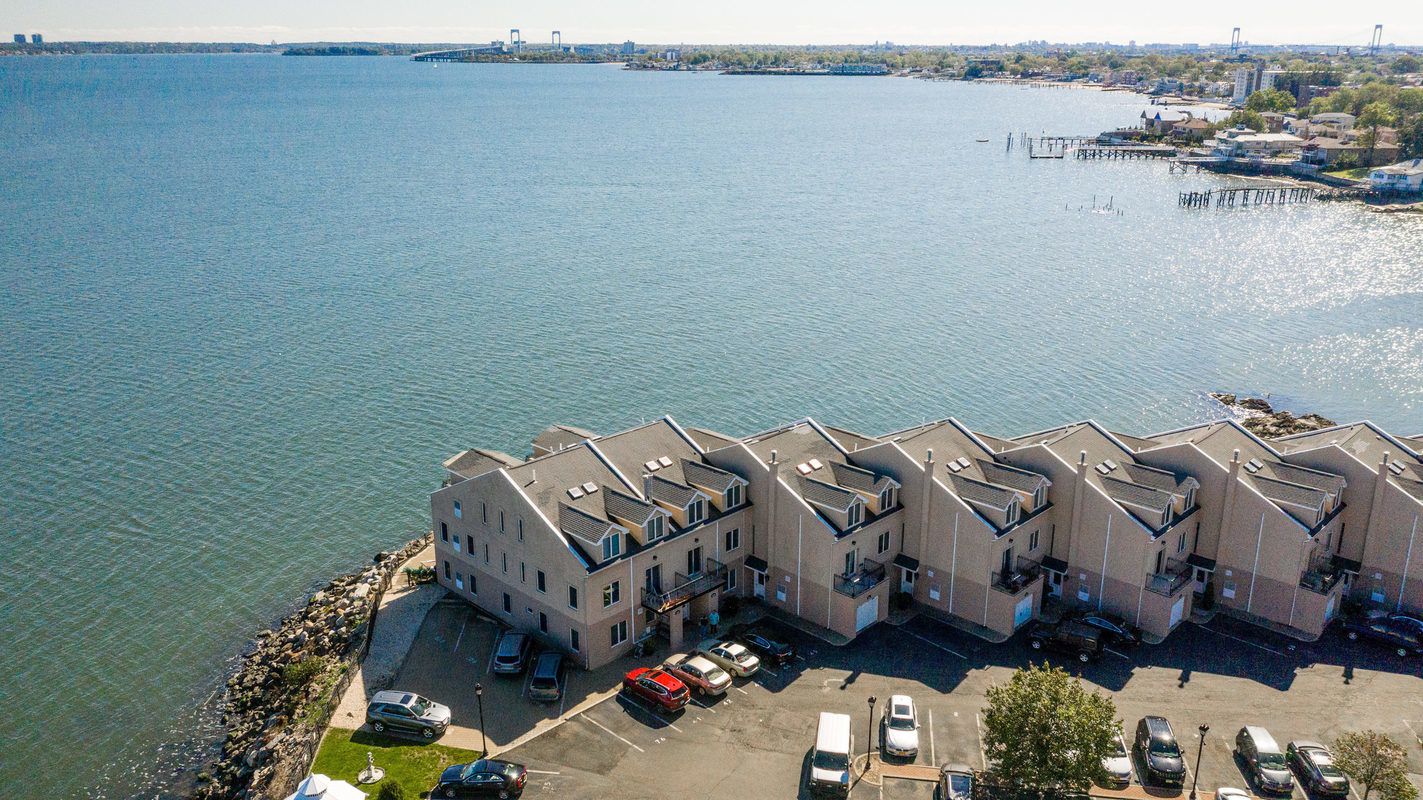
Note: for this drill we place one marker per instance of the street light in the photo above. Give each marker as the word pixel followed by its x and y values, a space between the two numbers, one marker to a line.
pixel 1200 749
pixel 483 741
pixel 870 738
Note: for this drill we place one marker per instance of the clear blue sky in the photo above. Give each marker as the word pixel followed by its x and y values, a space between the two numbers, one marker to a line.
pixel 711 21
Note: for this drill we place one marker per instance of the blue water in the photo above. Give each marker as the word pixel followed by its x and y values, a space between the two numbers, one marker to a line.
pixel 249 303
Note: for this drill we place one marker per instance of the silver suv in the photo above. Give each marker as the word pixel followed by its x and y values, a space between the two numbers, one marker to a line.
pixel 407 712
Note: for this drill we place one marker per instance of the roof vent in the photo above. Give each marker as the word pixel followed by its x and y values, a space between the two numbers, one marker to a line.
pixel 815 463
pixel 575 492
pixel 1102 468
pixel 1396 467
pixel 1110 464
pixel 665 461
pixel 803 469
pixel 963 463
pixel 954 466
pixel 650 466
pixel 590 487
pixel 1254 465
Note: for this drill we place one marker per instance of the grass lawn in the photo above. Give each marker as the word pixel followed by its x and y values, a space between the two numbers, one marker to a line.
pixel 414 765
pixel 1356 174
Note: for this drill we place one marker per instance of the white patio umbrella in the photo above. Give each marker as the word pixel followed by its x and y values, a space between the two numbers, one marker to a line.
pixel 320 787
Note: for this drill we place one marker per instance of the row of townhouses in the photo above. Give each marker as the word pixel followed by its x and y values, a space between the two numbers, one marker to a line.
pixel 594 542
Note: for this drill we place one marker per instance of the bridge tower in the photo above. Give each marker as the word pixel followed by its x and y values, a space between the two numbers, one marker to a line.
pixel 1235 41
pixel 1375 42
pixel 557 40
pixel 516 40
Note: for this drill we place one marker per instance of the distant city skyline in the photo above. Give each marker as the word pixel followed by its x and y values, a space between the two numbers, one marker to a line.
pixel 791 22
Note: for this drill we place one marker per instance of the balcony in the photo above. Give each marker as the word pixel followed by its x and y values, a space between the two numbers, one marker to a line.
pixel 1170 582
pixel 1014 581
pixel 1322 576
pixel 685 588
pixel 867 577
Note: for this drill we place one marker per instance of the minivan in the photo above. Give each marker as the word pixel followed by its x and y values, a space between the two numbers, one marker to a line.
pixel 830 761
pixel 1156 745
pixel 1264 760
pixel 546 684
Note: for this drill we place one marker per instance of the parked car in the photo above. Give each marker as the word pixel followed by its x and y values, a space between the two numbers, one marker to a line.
pixel 1155 743
pixel 546 683
pixel 1116 632
pixel 730 656
pixel 407 712
pixel 1083 641
pixel 955 782
pixel 1315 766
pixel 699 673
pixel 654 686
pixel 829 772
pixel 1264 759
pixel 1232 793
pixel 770 651
pixel 486 777
pixel 901 727
pixel 511 655
pixel 1118 764
pixel 1402 633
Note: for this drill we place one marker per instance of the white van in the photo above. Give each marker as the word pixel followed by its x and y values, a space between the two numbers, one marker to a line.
pixel 830 762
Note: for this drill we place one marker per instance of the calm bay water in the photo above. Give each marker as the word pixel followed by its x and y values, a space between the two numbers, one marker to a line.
pixel 249 303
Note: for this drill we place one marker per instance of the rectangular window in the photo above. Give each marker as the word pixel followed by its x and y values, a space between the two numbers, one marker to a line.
pixel 620 633
pixel 694 561
pixel 459 512
pixel 854 515
pixel 934 592
pixel 508 604
pixel 504 557
pixel 484 512
pixel 1181 543
pixel 572 597
pixel 447 570
pixel 457 544
pixel 612 546
pixel 886 499
pixel 521 529
pixel 459 580
pixel 473 585
pixel 883 542
pixel 780 594
pixel 444 532
pixel 612 593
pixel 733 496
pixel 731 580
pixel 523 575
pixel 543 587
pixel 573 641
pixel 1039 497
pixel 543 622
pixel 850 563
pixel 1033 542
pixel 501 521
pixel 654 527
pixel 696 511
pixel 733 539
pixel 469 542
pixel 486 552
pixel 1011 515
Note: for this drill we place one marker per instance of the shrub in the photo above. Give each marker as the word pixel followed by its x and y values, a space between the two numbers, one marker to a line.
pixel 391 791
pixel 298 674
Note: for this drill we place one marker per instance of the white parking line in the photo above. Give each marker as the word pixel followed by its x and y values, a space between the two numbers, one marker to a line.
pixel 614 735
pixel 933 643
pixel 1244 641
pixel 982 755
pixel 1115 653
pixel 932 758
pixel 765 668
pixel 540 772
pixel 743 691
pixel 460 638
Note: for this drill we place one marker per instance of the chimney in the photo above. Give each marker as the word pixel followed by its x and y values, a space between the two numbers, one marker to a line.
pixel 773 456
pixel 647 486
pixel 929 460
pixel 1234 463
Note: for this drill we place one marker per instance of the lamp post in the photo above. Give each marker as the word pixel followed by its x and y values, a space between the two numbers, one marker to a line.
pixel 1200 750
pixel 483 740
pixel 870 738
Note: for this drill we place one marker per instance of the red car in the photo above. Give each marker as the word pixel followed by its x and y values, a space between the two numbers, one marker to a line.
pixel 658 688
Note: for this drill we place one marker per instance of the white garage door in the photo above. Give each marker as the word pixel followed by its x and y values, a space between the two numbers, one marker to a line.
pixel 1176 612
pixel 1022 612
pixel 867 613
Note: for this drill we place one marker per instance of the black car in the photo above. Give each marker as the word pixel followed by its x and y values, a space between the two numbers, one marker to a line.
pixel 771 651
pixel 1116 632
pixel 1314 765
pixel 1083 641
pixel 1402 633
pixel 1155 744
pixel 486 777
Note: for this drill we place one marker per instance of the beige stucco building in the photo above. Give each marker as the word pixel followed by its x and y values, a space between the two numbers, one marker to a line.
pixel 594 542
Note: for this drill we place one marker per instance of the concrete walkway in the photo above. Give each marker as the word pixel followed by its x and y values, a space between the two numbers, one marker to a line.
pixel 402 611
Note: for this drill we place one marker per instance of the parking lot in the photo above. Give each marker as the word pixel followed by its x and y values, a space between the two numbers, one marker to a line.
pixel 755 741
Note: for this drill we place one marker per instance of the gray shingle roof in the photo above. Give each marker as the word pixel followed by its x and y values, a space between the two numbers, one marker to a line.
pixel 476 461
pixel 980 492
pixel 1158 479
pixel 557 437
pixel 825 494
pixel 1012 477
pixel 673 494
pixel 582 526
pixel 707 476
pixel 1136 494
pixel 857 478
pixel 1314 479
pixel 622 506
pixel 1291 493
pixel 1413 488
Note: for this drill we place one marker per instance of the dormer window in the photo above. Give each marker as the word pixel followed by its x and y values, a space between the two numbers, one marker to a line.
pixel 733 496
pixel 655 527
pixel 1165 515
pixel 1190 497
pixel 697 511
pixel 1010 514
pixel 855 515
pixel 886 499
pixel 612 546
pixel 1039 497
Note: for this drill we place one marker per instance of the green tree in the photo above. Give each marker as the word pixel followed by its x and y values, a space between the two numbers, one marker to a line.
pixel 1404 63
pixel 1043 730
pixel 1374 116
pixel 1373 760
pixel 1271 100
pixel 390 790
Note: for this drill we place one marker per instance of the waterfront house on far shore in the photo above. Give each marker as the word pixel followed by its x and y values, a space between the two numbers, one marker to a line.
pixel 1405 176
pixel 1193 130
pixel 1163 121
pixel 1326 151
pixel 1242 142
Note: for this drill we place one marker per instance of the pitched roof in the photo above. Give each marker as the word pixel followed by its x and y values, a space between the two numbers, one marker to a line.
pixel 980 492
pixel 581 525
pixel 558 437
pixel 655 448
pixel 547 481
pixel 709 477
pixel 1137 495
pixel 1289 493
pixel 618 505
pixel 673 494
pixel 709 439
pixel 1364 440
pixel 858 479
pixel 477 461
pixel 1012 477
pixel 825 494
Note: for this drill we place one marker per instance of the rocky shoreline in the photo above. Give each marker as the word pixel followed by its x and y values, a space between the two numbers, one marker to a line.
pixel 283 693
pixel 1260 418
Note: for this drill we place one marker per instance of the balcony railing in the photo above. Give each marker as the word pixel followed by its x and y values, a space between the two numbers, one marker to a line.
pixel 685 588
pixel 1014 581
pixel 1175 577
pixel 867 577
pixel 1322 576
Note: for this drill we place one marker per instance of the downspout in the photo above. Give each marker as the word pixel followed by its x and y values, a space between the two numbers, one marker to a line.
pixel 954 562
pixel 1402 587
pixel 1227 508
pixel 928 500
pixel 770 526
pixel 1102 587
pixel 1259 535
pixel 1375 518
pixel 799 537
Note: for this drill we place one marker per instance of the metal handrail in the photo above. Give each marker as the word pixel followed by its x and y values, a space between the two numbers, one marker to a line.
pixel 868 576
pixel 686 587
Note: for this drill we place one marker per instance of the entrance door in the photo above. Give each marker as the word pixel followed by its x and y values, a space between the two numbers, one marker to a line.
pixel 1054 584
pixel 850 563
pixel 758 586
pixel 653 576
pixel 694 561
pixel 867 613
pixel 1203 576
pixel 1022 612
pixel 1177 611
pixel 906 581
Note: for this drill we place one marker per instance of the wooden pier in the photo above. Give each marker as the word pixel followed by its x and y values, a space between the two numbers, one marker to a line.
pixel 1125 151
pixel 1248 196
